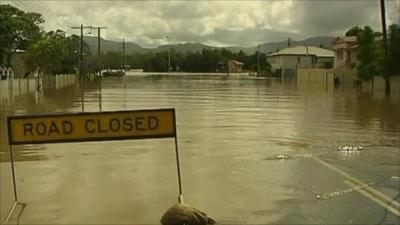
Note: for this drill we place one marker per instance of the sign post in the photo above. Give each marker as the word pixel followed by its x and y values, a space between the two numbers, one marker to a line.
pixel 92 126
pixel 178 168
pixel 16 203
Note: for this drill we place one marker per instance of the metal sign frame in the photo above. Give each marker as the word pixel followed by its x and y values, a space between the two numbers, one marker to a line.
pixel 13 142
pixel 133 137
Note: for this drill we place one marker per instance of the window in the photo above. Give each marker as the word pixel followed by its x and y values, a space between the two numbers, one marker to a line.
pixel 339 55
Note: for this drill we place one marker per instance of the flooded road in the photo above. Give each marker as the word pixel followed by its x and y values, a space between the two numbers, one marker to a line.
pixel 230 131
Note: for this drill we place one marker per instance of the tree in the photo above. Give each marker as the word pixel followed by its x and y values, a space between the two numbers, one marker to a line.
pixel 354 31
pixel 159 62
pixel 393 65
pixel 48 53
pixel 209 59
pixel 226 54
pixel 241 56
pixel 251 63
pixel 369 55
pixel 70 63
pixel 18 30
pixel 55 53
pixel 113 60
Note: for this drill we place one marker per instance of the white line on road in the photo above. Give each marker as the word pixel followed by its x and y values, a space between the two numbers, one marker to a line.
pixel 373 193
pixel 370 196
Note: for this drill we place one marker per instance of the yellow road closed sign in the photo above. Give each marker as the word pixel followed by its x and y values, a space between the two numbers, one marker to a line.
pixel 97 126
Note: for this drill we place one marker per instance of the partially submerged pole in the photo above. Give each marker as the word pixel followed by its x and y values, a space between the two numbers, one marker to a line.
pixel 385 46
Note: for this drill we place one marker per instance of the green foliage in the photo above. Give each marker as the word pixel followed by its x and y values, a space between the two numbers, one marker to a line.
pixel 56 54
pixel 369 54
pixel 208 60
pixel 18 30
pixel 70 62
pixel 393 65
pixel 251 62
pixel 112 60
pixel 354 31
pixel 48 53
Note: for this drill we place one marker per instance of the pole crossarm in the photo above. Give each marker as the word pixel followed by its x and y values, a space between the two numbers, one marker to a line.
pixel 92 27
pixel 98 54
pixel 84 27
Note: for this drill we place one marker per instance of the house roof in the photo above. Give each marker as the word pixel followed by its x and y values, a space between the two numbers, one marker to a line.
pixel 236 62
pixel 305 50
pixel 347 38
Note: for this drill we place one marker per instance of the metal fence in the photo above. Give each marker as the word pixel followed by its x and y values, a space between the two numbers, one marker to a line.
pixel 6 73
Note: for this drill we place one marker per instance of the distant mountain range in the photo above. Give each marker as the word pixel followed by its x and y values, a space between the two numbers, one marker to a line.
pixel 130 47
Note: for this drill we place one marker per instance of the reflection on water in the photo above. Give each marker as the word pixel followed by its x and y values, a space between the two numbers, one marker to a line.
pixel 227 127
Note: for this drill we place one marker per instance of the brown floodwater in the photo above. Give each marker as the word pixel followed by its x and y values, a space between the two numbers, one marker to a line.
pixel 230 130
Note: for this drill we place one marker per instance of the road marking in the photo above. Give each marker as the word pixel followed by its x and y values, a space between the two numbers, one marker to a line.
pixel 372 192
pixel 370 196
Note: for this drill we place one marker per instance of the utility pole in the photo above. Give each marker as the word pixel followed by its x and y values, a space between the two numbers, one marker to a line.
pixel 98 58
pixel 81 54
pixel 81 63
pixel 98 38
pixel 385 46
pixel 258 60
pixel 169 55
pixel 98 41
pixel 123 53
pixel 81 49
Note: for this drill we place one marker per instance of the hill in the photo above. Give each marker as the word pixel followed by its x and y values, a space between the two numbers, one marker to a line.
pixel 324 41
pixel 107 45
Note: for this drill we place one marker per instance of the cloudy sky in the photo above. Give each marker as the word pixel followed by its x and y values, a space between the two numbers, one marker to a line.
pixel 216 22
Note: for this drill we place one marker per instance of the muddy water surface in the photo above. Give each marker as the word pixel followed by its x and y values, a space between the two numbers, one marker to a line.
pixel 230 130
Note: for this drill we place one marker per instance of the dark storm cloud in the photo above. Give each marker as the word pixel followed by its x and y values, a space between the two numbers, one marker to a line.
pixel 334 17
pixel 252 36
pixel 224 23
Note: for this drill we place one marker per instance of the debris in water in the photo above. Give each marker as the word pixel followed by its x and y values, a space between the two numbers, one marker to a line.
pixel 278 157
pixel 282 156
pixel 349 148
pixel 318 196
pixel 333 194
pixel 183 214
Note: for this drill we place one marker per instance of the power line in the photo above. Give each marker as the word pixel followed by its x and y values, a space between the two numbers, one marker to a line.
pixel 36 6
pixel 98 37
pixel 48 9
pixel 17 4
pixel 27 6
pixel 45 6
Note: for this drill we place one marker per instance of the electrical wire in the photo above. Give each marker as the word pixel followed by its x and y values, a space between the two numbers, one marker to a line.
pixel 17 4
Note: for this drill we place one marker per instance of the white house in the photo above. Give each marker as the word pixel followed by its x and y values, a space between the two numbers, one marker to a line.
pixel 289 59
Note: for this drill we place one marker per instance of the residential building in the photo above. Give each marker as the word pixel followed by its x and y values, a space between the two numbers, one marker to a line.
pixel 288 60
pixel 345 49
pixel 235 66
